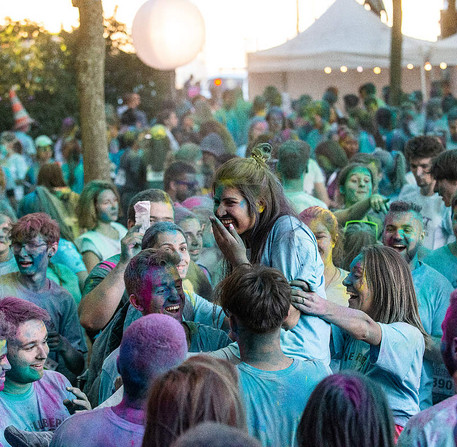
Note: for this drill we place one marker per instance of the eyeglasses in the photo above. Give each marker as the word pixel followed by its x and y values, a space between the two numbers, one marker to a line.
pixel 30 247
pixel 190 185
pixel 361 222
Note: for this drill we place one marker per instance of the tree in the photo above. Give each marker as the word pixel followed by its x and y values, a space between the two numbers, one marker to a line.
pixel 90 68
pixel 39 63
pixel 395 54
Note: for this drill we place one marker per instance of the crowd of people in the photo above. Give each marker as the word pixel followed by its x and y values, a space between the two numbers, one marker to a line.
pixel 252 275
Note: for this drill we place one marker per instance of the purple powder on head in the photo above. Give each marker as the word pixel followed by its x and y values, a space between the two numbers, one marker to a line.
pixel 198 201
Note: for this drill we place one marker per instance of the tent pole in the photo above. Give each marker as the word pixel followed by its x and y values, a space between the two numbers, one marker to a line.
pixel 423 83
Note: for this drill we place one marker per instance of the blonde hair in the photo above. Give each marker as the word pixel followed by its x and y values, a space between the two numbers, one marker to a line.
pixel 391 285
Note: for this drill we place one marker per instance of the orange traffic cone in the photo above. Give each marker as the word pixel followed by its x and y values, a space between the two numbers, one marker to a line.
pixel 21 117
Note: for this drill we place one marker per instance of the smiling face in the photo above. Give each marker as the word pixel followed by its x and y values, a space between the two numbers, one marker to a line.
pixel 404 233
pixel 325 243
pixel 27 352
pixel 194 235
pixel 358 186
pixel 107 206
pixel 357 287
pixel 4 363
pixel 32 257
pixel 230 207
pixel 175 241
pixel 163 293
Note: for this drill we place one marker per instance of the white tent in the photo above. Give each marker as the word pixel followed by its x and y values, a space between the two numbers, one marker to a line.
pixel 346 35
pixel 444 51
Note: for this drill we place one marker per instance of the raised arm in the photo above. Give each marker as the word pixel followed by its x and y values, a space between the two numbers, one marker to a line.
pixel 355 322
pixel 99 305
pixel 358 211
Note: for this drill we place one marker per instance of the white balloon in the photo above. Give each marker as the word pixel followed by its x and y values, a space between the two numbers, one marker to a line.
pixel 168 33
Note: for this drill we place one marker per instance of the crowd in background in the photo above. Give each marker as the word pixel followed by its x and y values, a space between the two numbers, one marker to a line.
pixel 253 274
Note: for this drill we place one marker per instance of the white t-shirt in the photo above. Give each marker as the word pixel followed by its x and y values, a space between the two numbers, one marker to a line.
pixel 314 175
pixel 104 247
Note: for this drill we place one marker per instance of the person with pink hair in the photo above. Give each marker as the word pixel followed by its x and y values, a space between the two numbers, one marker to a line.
pixel 34 398
pixel 151 346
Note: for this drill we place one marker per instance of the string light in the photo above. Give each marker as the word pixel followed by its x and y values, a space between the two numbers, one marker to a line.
pixel 376 70
pixel 410 66
pixel 428 66
pixel 327 70
pixel 343 69
pixel 359 69
pixel 443 65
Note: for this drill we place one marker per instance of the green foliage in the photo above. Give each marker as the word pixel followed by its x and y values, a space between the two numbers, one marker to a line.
pixel 42 65
pixel 39 63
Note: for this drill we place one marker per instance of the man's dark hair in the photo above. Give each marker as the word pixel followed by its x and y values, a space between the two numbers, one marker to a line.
pixel 351 101
pixel 444 166
pixel 424 146
pixel 258 296
pixel 369 88
pixel 399 206
pixel 293 156
pixel 175 170
pixel 139 266
pixel 164 115
pixel 149 195
pixel 384 118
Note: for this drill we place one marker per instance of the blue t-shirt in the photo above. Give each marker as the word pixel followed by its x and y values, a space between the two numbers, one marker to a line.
pixel 275 400
pixel 84 429
pixel 292 248
pixel 41 408
pixel 395 364
pixel 202 339
pixel 434 427
pixel 444 262
pixel 67 254
pixel 433 291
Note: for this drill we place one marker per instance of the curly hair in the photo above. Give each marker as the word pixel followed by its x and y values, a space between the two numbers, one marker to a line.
pixel 31 225
pixel 424 146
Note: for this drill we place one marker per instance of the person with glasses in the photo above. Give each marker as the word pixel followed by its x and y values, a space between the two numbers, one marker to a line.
pixel 357 184
pixel 34 240
pixel 180 181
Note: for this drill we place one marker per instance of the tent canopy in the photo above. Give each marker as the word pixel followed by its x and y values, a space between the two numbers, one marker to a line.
pixel 444 51
pixel 346 34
